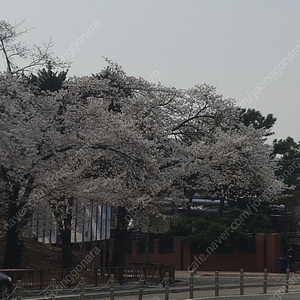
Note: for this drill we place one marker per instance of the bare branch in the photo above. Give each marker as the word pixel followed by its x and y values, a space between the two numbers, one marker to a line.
pixel 32 56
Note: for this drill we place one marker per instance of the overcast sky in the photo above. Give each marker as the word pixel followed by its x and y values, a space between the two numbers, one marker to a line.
pixel 248 50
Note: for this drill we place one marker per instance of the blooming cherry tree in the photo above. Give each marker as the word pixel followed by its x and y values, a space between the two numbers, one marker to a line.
pixel 120 140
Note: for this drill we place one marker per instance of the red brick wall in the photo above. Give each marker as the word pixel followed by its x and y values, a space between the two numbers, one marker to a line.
pixel 156 257
pixel 268 249
pixel 273 251
pixel 229 262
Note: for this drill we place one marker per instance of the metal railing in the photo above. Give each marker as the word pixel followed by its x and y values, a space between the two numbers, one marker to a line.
pixel 42 277
pixel 190 286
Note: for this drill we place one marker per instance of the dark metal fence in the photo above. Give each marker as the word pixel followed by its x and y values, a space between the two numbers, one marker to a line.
pixel 42 277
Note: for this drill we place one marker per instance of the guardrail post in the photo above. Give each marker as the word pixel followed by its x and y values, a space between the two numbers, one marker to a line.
pixel 287 277
pixel 52 287
pixel 19 286
pixel 265 282
pixel 191 284
pixel 167 286
pixel 112 287
pixel 141 288
pixel 81 288
pixel 216 283
pixel 241 282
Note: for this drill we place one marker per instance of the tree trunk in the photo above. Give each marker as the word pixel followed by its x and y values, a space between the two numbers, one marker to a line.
pixel 11 255
pixel 120 233
pixel 64 228
pixel 221 207
pixel 16 217
pixel 190 195
pixel 66 248
pixel 147 248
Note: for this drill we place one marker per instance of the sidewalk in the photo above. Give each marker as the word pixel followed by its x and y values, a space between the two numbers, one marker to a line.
pixel 182 275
